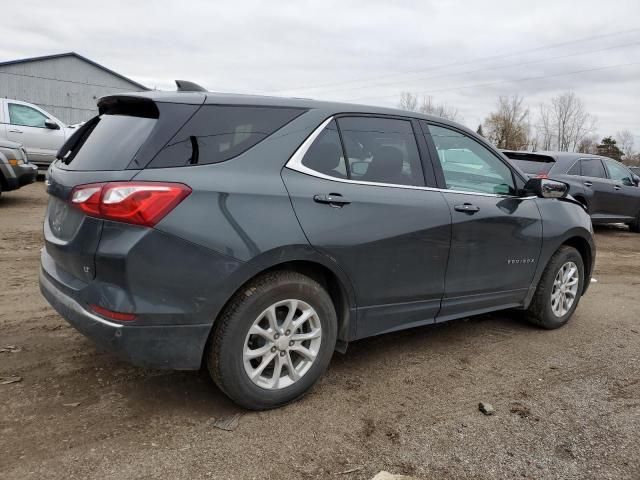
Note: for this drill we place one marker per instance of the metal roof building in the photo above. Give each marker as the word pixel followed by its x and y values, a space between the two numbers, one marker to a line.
pixel 67 85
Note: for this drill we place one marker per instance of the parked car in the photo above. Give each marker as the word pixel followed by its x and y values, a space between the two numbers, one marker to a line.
pixel 256 235
pixel 608 189
pixel 15 170
pixel 38 131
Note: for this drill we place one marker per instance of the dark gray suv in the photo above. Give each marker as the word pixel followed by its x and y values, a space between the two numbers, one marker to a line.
pixel 257 235
pixel 609 190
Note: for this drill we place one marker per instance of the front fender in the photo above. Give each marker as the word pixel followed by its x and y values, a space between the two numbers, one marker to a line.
pixel 563 222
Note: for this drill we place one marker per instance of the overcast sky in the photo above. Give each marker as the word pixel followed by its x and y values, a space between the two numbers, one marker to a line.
pixel 464 53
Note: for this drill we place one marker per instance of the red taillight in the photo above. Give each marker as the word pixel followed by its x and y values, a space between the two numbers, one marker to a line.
pixel 140 203
pixel 119 316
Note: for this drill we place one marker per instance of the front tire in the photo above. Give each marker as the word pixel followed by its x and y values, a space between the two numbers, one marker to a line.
pixel 559 290
pixel 273 341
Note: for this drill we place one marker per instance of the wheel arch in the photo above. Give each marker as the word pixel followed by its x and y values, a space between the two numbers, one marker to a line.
pixel 579 238
pixel 307 261
pixel 585 251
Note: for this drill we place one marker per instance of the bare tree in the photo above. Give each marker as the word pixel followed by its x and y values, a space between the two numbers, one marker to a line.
pixel 588 144
pixel 442 110
pixel 508 126
pixel 565 122
pixel 544 128
pixel 625 143
pixel 410 101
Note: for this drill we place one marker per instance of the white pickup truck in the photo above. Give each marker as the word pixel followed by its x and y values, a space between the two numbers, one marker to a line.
pixel 40 133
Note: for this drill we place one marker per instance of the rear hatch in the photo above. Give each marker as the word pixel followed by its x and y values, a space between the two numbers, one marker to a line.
pixel 114 146
pixel 532 164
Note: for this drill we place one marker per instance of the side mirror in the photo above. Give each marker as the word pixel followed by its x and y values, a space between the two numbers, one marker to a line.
pixel 636 179
pixel 50 124
pixel 546 188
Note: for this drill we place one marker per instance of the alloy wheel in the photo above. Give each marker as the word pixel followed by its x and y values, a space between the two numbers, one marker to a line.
pixel 282 344
pixel 565 289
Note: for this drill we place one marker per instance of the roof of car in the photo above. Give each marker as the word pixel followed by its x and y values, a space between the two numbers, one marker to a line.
pixel 219 98
pixel 557 156
pixel 264 100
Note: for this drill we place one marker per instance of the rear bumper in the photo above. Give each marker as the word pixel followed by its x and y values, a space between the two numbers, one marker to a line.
pixel 26 173
pixel 176 347
pixel 20 175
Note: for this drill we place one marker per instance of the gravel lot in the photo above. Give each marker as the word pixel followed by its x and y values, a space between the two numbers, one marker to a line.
pixel 567 402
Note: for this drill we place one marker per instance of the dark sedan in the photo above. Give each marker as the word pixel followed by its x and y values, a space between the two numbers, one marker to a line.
pixel 607 188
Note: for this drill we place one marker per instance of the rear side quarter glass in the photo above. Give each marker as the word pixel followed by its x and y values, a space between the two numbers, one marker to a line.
pixel 575 169
pixel 222 132
pixel 325 154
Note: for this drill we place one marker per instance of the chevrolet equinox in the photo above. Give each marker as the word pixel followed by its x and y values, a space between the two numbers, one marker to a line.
pixel 258 235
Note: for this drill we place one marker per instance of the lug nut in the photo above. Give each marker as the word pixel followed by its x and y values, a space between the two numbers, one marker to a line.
pixel 291 343
pixel 273 349
pixel 276 336
pixel 282 353
pixel 287 333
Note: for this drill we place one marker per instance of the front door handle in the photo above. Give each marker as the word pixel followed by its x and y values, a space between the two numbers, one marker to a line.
pixel 467 208
pixel 13 130
pixel 617 187
pixel 333 199
pixel 587 184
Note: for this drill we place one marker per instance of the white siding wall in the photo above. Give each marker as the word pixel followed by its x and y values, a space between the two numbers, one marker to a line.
pixel 67 87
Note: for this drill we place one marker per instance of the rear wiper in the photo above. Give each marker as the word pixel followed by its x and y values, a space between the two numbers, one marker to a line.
pixel 75 139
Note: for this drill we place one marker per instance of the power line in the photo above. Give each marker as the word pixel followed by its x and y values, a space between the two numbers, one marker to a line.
pixel 466 72
pixel 459 63
pixel 525 79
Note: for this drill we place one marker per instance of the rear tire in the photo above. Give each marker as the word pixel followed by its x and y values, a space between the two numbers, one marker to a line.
pixel 559 290
pixel 251 340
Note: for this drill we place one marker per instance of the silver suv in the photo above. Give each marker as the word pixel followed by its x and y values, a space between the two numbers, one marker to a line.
pixel 15 170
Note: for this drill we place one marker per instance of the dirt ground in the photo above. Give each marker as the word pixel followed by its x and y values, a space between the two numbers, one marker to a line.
pixel 567 401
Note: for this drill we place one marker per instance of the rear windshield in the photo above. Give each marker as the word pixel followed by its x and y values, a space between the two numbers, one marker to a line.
pixel 109 142
pixel 531 164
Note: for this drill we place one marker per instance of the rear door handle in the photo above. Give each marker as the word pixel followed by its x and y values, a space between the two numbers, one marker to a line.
pixel 333 199
pixel 467 208
pixel 587 184
pixel 13 130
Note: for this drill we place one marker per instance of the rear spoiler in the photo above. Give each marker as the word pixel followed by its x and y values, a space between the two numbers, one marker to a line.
pixel 187 86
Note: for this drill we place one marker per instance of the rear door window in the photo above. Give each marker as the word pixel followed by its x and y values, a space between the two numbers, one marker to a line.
pixel 381 150
pixel 592 167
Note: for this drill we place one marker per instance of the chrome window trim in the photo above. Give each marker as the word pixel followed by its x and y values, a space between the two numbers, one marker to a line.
pixel 295 163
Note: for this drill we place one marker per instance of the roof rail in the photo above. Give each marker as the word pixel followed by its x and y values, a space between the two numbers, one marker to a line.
pixel 187 86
